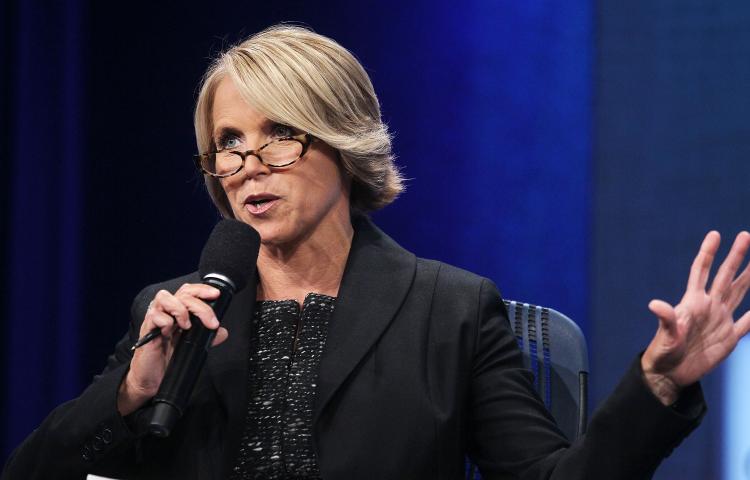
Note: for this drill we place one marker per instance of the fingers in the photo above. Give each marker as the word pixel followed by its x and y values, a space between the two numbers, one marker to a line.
pixel 731 264
pixel 739 288
pixel 170 311
pixel 201 310
pixel 701 267
pixel 167 306
pixel 666 314
pixel 161 320
pixel 742 326
pixel 221 335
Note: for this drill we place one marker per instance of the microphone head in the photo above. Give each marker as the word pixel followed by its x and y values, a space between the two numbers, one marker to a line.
pixel 232 251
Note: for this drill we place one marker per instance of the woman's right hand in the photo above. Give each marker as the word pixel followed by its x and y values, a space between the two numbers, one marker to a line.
pixel 170 313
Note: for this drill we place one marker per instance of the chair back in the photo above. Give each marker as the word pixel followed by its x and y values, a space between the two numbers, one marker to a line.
pixel 554 349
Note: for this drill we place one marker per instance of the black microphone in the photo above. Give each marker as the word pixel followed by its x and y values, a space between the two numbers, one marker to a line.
pixel 227 263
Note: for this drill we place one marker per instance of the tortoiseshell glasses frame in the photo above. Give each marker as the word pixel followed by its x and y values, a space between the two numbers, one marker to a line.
pixel 280 153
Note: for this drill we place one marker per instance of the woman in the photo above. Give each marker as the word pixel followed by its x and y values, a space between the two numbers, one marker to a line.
pixel 352 358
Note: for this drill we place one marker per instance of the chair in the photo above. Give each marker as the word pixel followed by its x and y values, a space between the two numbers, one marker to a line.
pixel 554 349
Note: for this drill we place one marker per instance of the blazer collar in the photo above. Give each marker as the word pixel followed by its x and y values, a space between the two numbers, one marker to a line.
pixel 377 277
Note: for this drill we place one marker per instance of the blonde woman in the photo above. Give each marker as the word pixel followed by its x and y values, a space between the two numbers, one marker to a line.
pixel 351 357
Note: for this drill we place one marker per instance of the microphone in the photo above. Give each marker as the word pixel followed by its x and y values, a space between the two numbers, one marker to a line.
pixel 227 263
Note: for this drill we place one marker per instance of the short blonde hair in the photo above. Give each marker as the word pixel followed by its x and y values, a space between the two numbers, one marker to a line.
pixel 299 78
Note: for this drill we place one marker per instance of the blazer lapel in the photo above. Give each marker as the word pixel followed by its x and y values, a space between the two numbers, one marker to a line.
pixel 377 277
pixel 228 364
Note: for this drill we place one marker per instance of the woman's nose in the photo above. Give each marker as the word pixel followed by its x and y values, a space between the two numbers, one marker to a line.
pixel 254 166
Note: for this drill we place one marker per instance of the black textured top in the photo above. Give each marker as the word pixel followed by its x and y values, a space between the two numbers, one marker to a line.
pixel 277 439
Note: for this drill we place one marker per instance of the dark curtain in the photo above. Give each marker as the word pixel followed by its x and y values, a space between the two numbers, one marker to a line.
pixel 43 130
pixel 5 181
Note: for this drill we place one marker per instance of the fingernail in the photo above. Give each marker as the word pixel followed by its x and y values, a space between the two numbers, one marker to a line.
pixel 215 322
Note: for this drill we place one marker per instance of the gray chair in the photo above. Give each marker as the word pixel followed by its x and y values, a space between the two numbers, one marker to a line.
pixel 554 349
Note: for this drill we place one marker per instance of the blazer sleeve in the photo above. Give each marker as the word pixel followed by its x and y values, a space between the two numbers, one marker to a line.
pixel 514 436
pixel 88 433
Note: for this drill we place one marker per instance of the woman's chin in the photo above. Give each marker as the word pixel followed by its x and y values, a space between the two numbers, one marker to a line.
pixel 271 236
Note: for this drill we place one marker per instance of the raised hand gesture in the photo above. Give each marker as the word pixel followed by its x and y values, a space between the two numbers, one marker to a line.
pixel 698 333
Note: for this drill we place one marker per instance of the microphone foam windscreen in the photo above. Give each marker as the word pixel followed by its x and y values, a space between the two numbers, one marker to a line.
pixel 231 250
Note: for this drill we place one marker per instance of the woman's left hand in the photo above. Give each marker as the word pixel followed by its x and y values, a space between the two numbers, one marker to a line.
pixel 697 334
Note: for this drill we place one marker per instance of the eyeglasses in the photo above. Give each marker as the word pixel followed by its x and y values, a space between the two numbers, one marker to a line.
pixel 278 153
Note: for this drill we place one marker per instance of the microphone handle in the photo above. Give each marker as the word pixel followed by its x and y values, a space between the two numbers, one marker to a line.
pixel 187 361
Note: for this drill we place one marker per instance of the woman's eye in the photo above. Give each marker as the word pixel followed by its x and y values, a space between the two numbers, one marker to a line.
pixel 282 131
pixel 227 143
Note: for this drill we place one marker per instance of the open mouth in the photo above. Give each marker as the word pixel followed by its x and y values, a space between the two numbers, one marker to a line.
pixel 260 204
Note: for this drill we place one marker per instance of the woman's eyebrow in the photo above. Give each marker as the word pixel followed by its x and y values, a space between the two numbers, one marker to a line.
pixel 221 132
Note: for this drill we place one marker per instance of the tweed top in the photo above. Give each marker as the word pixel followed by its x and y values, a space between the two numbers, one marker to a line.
pixel 284 359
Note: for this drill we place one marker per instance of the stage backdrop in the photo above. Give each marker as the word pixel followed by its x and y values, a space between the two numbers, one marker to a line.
pixel 670 164
pixel 574 152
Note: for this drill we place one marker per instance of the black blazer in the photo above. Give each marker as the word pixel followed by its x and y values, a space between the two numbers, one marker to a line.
pixel 420 369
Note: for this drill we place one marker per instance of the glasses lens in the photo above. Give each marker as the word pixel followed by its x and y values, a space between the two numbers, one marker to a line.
pixel 222 163
pixel 281 153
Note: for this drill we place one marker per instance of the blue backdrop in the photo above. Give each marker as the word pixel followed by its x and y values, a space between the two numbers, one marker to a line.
pixel 575 152
pixel 670 163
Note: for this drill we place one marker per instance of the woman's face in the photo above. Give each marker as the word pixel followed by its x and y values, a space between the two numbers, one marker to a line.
pixel 286 206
